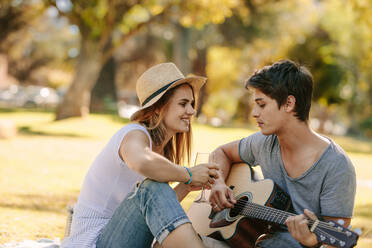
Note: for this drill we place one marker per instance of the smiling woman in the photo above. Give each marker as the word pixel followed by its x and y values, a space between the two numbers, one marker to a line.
pixel 125 199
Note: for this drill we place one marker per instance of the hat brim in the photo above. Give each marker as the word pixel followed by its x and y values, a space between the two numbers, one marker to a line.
pixel 196 83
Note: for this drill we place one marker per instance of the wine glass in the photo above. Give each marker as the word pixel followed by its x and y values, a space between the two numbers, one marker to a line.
pixel 201 158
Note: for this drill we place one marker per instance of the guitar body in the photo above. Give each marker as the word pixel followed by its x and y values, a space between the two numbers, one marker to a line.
pixel 235 229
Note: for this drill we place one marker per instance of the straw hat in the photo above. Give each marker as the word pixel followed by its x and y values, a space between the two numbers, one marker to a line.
pixel 157 80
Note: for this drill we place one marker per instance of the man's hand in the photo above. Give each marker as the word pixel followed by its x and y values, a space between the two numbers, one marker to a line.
pixel 299 229
pixel 221 196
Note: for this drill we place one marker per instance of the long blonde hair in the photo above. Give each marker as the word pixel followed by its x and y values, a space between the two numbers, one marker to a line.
pixel 179 147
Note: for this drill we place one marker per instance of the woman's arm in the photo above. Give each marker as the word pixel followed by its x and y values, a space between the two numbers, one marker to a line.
pixel 135 151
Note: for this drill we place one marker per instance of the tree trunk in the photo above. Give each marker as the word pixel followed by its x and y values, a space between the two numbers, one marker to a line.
pixel 105 87
pixel 77 99
pixel 323 118
pixel 181 48
pixel 199 69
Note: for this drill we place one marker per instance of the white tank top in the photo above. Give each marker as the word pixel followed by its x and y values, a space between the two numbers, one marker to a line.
pixel 106 184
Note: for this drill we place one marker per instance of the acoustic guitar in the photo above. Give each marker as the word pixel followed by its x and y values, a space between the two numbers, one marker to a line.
pixel 260 209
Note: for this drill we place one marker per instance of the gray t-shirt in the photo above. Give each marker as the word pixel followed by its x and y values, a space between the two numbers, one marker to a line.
pixel 327 188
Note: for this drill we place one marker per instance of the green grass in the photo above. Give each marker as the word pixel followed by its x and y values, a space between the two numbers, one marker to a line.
pixel 42 169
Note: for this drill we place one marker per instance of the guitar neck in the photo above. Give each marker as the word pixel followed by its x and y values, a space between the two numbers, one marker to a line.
pixel 257 211
pixel 329 233
pixel 254 210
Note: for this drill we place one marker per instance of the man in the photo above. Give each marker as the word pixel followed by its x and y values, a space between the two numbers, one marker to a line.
pixel 312 169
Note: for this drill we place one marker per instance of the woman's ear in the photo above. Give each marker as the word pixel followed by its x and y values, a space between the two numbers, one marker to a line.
pixel 157 111
pixel 290 104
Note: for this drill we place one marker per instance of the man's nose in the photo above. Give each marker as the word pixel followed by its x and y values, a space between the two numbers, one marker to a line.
pixel 254 113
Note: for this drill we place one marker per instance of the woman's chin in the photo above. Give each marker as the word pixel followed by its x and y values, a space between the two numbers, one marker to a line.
pixel 184 130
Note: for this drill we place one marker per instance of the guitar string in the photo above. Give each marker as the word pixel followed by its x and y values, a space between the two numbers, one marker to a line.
pixel 283 214
pixel 317 230
pixel 250 208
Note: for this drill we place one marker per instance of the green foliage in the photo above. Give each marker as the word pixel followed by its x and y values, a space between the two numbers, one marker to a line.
pixel 317 53
pixel 349 23
pixel 135 15
pixel 366 126
pixel 223 70
pixel 331 37
pixel 201 12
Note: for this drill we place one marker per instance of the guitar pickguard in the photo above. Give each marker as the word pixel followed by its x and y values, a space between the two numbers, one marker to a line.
pixel 281 200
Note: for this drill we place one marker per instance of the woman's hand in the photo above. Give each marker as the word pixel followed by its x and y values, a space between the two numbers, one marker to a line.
pixel 299 229
pixel 203 175
pixel 191 187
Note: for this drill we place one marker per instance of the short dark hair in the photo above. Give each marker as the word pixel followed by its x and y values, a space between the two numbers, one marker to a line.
pixel 282 79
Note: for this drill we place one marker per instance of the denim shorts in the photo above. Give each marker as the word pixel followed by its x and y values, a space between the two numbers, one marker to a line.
pixel 150 211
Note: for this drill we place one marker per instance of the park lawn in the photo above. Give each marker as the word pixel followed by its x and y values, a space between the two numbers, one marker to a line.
pixel 42 168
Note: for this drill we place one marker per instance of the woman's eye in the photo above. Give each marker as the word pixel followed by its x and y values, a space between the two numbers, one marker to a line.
pixel 183 104
pixel 261 105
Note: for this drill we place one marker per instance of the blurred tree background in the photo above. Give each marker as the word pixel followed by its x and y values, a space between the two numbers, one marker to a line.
pixel 92 52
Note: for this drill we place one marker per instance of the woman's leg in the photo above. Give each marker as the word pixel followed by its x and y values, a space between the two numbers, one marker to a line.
pixel 152 210
pixel 127 227
pixel 184 236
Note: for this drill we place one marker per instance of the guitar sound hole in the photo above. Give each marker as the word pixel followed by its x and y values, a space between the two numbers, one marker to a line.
pixel 237 209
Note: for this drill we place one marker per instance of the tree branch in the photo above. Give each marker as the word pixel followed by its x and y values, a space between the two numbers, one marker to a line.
pixel 132 32
pixel 109 23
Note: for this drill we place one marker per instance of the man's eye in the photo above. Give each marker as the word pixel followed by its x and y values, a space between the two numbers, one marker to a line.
pixel 261 105
pixel 183 104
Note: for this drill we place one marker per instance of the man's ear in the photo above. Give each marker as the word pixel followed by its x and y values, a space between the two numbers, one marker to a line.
pixel 290 104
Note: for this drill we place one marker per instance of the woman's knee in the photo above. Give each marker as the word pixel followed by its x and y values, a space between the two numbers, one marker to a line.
pixel 154 186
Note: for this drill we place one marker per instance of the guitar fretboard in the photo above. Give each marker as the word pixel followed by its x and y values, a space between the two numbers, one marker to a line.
pixel 269 214
pixel 254 210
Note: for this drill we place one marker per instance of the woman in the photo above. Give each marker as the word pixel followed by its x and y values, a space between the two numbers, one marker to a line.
pixel 125 200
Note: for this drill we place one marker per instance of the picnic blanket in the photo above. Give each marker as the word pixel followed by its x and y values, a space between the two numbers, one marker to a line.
pixel 48 243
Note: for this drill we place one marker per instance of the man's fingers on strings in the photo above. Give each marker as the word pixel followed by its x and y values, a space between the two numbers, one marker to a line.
pixel 289 223
pixel 220 199
pixel 230 196
pixel 215 208
pixel 303 226
pixel 297 221
pixel 225 203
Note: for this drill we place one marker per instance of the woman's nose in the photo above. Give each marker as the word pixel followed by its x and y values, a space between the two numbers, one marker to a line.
pixel 190 110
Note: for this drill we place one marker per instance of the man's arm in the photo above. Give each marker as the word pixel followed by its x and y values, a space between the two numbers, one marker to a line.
pixel 224 156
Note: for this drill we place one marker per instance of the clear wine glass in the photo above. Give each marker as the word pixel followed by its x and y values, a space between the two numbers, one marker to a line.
pixel 201 158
